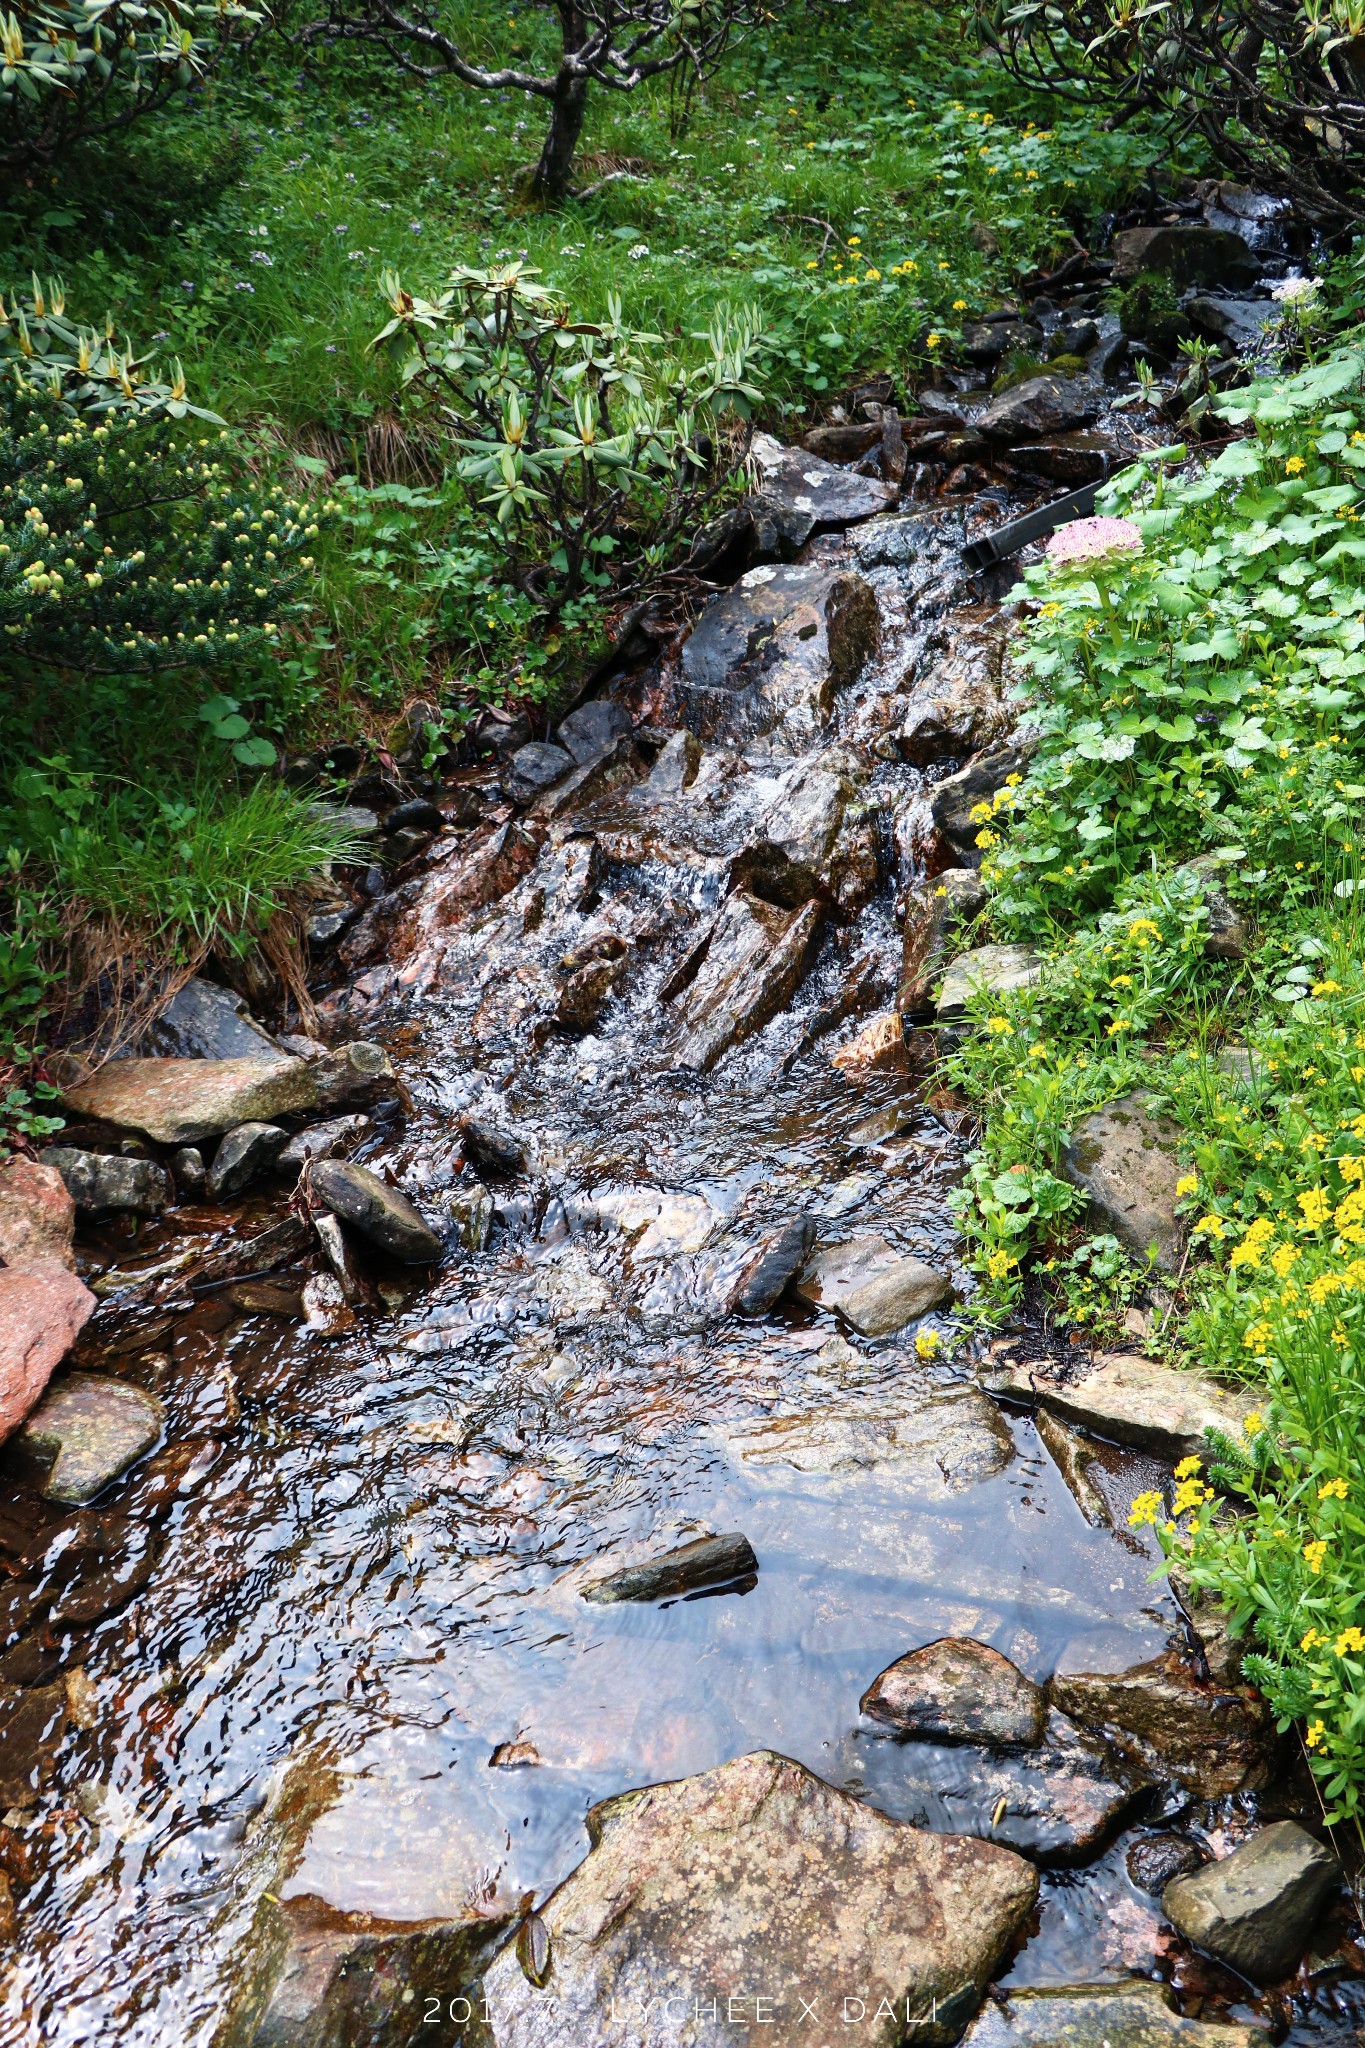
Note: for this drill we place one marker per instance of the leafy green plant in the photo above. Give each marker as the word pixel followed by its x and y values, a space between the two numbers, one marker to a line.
pixel 577 440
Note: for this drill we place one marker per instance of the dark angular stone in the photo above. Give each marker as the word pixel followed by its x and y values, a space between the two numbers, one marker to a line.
pixel 379 1212
pixel 710 1561
pixel 778 1262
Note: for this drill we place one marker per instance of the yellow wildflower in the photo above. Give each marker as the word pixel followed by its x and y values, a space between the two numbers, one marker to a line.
pixel 1254 1423
pixel 1294 466
pixel 1316 1209
pixel 1335 1489
pixel 928 1344
pixel 1000 1027
pixel 1210 1226
pixel 1145 1511
pixel 1313 1554
pixel 1188 1184
pixel 1349 1639
pixel 1310 1641
pixel 1314 1734
pixel 1283 1257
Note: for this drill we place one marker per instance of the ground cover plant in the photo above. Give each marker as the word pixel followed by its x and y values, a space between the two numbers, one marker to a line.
pixel 1202 737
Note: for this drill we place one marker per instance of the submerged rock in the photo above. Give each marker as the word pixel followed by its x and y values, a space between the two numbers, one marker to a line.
pixel 31 1722
pixel 994 970
pixel 1211 1739
pixel 93 1429
pixel 757 1885
pixel 243 1155
pixel 942 1440
pixel 753 962
pixel 873 1286
pixel 1131 1400
pixel 177 1102
pixel 1129 2015
pixel 1256 1909
pixel 43 1309
pixel 379 1212
pixel 1125 1161
pixel 37 1216
pixel 1073 1456
pixel 956 1690
pixel 1154 1860
pixel 771 1271
pixel 709 1561
pixel 105 1183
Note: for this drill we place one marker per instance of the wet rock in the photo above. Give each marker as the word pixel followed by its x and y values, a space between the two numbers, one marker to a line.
pixel 873 1286
pixel 782 642
pixel 461 879
pixel 690 1882
pixel 37 1216
pixel 103 1184
pixel 878 1046
pixel 331 1140
pixel 1127 2015
pixel 43 1309
pixel 1154 1860
pixel 267 1298
pixel 533 768
pixel 593 728
pixel 1082 458
pixel 514 1756
pixel 1238 323
pixel 103 1587
pixel 243 1155
pixel 1221 1647
pixel 753 963
pixel 774 1266
pixel 1126 1162
pixel 1131 1400
pixel 791 857
pixel 189 1172
pixel 380 1213
pixel 93 1429
pixel 31 1723
pixel 586 993
pixel 677 766
pixel 1073 1457
pixel 325 1307
pixel 1074 335
pixel 709 1561
pixel 957 706
pixel 953 800
pixel 985 341
pixel 471 1211
pixel 957 1690
pixel 336 1249
pixel 1042 406
pixel 324 926
pixel 418 814
pixel 1057 1802
pixel 206 1022
pixel 997 970
pixel 935 911
pixel 943 1440
pixel 1211 1739
pixel 600 776
pixel 1256 1909
pixel 405 845
pixel 1186 254
pixel 842 440
pixel 495 1149
pixel 891 543
pixel 800 495
pixel 177 1102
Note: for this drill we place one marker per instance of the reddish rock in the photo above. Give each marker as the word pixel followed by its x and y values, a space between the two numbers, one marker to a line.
pixel 37 1216
pixel 43 1310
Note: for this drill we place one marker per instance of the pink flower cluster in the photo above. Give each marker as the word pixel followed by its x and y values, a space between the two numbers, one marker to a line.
pixel 1084 539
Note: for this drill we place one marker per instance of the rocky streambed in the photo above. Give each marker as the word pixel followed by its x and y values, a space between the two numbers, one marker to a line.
pixel 517 1553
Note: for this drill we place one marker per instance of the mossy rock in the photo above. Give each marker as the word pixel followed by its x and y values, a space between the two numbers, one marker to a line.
pixel 1149 311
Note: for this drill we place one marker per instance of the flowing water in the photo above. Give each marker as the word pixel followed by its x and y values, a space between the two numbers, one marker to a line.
pixel 367 1551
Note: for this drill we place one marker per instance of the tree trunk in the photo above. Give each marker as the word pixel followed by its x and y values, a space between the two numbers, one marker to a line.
pixel 550 180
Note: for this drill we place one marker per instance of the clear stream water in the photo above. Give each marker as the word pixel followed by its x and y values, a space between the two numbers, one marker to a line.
pixel 369 1548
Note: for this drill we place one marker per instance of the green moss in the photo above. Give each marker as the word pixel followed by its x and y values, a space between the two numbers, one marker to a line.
pixel 1149 311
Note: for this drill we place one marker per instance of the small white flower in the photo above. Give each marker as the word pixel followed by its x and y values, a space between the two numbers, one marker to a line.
pixel 1296 291
pixel 263 256
pixel 637 250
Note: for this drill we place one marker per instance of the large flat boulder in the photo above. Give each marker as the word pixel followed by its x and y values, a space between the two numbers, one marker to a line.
pixel 1046 404
pixel 1212 1739
pixel 177 1102
pixel 1131 2015
pixel 781 641
pixel 1186 253
pixel 1255 1909
pixel 37 1216
pixel 92 1428
pixel 872 1285
pixel 802 494
pixel 988 970
pixel 752 965
pixel 749 1893
pixel 43 1309
pixel 1125 1161
pixel 1131 1400
pixel 939 1440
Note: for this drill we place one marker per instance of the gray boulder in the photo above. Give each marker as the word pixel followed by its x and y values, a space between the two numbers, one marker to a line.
pixel 380 1213
pixel 676 768
pixel 1042 405
pixel 709 1561
pixel 935 911
pixel 1125 1161
pixel 536 767
pixel 243 1155
pixel 105 1184
pixel 957 1690
pixel 205 1022
pixel 1130 1400
pixel 995 970
pixel 335 1138
pixel 777 647
pixel 985 341
pixel 593 728
pixel 758 1886
pixel 801 494
pixel 1256 1909
pixel 1239 323
pixel 93 1429
pixel 873 1286
pixel 1127 2015
pixel 1185 253
pixel 938 1440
